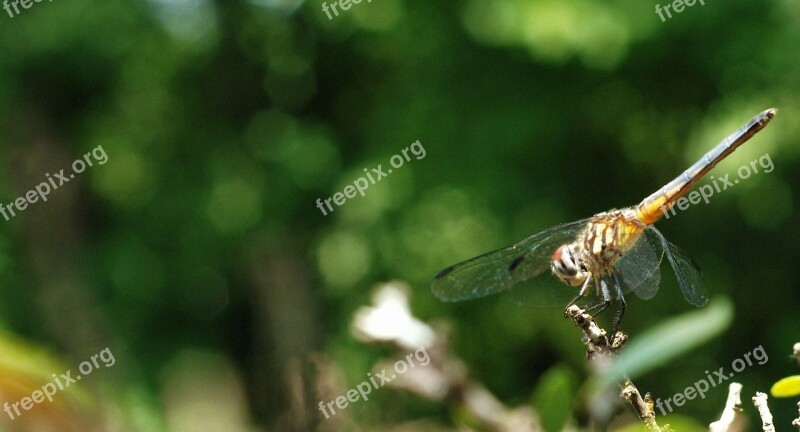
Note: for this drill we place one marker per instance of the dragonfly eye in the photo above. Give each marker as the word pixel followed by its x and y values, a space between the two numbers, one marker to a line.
pixel 565 266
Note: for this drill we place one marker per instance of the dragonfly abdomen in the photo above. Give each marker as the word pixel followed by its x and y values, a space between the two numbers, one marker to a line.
pixel 654 206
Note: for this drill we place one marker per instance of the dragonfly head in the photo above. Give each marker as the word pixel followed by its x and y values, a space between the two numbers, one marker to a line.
pixel 566 266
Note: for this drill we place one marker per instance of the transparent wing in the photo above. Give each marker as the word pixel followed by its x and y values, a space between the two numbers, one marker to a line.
pixel 686 269
pixel 545 292
pixel 638 269
pixel 502 269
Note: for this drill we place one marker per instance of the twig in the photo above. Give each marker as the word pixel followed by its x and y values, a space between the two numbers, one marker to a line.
pixel 760 401
pixel 733 406
pixel 643 409
pixel 595 338
pixel 585 322
pixel 599 347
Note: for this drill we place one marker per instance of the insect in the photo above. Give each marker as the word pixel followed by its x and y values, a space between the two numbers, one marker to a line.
pixel 606 255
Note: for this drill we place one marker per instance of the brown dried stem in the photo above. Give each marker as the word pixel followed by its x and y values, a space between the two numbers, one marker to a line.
pixel 599 348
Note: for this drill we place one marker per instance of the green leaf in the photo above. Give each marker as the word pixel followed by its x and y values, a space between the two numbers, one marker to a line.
pixel 665 342
pixel 675 422
pixel 552 398
pixel 787 387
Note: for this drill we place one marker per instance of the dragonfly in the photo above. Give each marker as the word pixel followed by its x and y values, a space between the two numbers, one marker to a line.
pixel 607 255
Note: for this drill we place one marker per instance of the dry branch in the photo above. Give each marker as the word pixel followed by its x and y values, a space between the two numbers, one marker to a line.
pixel 760 401
pixel 599 348
pixel 733 406
pixel 643 409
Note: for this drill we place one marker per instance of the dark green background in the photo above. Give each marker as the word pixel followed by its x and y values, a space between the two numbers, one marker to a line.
pixel 200 242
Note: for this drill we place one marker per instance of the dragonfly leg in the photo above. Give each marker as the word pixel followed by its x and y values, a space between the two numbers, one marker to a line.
pixel 584 288
pixel 605 303
pixel 622 307
pixel 581 293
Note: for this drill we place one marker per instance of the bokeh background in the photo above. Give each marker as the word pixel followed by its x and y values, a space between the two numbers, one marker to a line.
pixel 198 256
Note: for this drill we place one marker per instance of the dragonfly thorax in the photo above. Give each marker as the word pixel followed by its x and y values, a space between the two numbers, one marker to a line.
pixel 567 265
pixel 606 238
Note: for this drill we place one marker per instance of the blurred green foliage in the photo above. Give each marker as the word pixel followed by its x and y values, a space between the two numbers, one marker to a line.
pixel 225 121
pixel 663 343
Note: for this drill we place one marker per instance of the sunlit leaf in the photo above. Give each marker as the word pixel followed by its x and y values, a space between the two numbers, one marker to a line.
pixel 787 387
